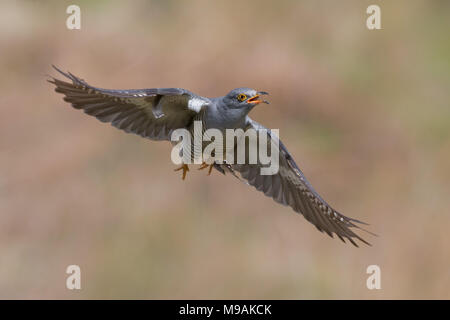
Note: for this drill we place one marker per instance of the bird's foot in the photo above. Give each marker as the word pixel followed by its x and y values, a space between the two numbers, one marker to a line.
pixel 205 165
pixel 185 169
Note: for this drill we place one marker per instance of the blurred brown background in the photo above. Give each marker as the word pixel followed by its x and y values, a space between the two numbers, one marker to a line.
pixel 365 113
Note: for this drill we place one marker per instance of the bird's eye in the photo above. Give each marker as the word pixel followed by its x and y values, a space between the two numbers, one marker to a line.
pixel 241 97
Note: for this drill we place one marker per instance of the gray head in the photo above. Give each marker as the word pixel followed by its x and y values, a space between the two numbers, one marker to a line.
pixel 244 98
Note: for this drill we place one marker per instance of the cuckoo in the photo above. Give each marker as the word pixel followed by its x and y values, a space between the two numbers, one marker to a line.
pixel 156 113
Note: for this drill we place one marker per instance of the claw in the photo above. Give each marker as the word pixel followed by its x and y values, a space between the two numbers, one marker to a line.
pixel 205 165
pixel 185 169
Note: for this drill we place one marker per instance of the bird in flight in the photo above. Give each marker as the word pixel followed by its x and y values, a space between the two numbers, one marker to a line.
pixel 156 113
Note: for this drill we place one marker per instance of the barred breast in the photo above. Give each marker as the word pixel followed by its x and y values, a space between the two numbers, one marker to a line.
pixel 199 132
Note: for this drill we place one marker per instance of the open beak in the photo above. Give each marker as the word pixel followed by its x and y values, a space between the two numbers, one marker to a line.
pixel 256 99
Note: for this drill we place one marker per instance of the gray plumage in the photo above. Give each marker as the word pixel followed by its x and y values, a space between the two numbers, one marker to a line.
pixel 156 113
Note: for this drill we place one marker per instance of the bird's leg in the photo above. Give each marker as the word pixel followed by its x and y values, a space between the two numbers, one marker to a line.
pixel 185 170
pixel 205 165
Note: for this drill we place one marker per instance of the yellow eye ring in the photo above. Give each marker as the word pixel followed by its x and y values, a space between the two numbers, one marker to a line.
pixel 241 97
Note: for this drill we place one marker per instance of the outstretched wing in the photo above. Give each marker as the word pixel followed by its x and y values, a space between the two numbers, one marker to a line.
pixel 150 113
pixel 290 187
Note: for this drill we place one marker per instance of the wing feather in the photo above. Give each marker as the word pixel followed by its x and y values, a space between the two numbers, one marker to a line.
pixel 290 187
pixel 151 113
